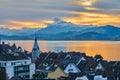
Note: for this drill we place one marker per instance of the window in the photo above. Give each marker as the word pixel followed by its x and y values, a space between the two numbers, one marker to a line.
pixel 4 64
pixel 25 62
pixel 70 70
pixel 12 63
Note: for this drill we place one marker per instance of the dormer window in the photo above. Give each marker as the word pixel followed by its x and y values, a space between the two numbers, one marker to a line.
pixel 47 68
pixel 56 65
pixel 9 51
pixel 68 57
pixel 45 64
pixel 16 54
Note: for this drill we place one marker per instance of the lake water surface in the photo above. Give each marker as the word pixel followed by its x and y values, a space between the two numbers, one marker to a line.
pixel 110 50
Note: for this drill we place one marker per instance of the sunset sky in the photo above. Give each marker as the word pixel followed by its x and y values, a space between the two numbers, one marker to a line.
pixel 16 14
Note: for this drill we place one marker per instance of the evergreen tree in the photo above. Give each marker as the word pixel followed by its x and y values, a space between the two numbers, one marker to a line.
pixel 1 49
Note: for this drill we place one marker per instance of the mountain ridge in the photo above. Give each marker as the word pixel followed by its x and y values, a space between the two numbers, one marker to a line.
pixel 62 30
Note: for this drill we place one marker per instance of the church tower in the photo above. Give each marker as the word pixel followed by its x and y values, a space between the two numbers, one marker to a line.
pixel 35 50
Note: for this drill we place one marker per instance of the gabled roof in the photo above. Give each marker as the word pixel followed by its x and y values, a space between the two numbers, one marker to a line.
pixel 74 75
pixel 14 46
pixel 104 63
pixel 63 64
pixel 6 48
pixel 73 67
pixel 82 64
pixel 91 63
pixel 12 57
pixel 58 59
pixel 114 63
pixel 113 68
pixel 47 66
pixel 47 62
pixel 80 60
pixel 8 53
pixel 16 78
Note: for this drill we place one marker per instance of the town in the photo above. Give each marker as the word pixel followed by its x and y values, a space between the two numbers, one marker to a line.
pixel 19 64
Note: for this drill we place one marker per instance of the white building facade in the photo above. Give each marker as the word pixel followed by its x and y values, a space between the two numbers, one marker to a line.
pixel 23 68
pixel 71 68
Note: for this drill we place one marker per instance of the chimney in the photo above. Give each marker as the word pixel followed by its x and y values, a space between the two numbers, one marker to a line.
pixel 0 41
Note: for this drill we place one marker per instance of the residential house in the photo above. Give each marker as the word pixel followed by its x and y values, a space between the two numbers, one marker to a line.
pixel 71 68
pixel 15 63
pixel 99 77
pixel 113 70
pixel 57 73
pixel 82 78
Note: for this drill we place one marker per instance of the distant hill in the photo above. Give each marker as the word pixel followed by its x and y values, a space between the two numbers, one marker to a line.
pixel 21 32
pixel 88 34
pixel 61 30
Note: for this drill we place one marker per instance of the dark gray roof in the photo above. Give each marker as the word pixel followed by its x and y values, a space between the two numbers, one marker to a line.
pixel 47 66
pixel 11 57
pixel 52 59
pixel 16 78
pixel 8 53
pixel 5 48
pixel 63 64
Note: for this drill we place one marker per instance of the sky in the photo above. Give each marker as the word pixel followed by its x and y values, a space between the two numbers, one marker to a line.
pixel 16 14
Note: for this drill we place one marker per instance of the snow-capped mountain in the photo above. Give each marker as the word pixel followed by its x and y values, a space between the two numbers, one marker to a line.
pixel 61 26
pixel 62 30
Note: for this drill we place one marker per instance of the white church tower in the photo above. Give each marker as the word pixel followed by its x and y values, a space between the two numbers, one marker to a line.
pixel 35 50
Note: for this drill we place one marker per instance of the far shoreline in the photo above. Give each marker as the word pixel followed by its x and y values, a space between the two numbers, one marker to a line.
pixel 53 40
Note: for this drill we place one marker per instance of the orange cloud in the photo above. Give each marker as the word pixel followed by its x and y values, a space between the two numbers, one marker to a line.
pixel 29 24
pixel 87 18
pixel 80 18
pixel 91 8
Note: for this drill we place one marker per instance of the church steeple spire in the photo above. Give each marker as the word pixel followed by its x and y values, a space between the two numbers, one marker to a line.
pixel 35 37
pixel 35 50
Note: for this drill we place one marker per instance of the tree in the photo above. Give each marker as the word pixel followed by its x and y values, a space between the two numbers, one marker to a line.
pixel 1 49
pixel 98 57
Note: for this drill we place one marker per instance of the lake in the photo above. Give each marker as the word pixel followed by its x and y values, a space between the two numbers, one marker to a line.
pixel 110 50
